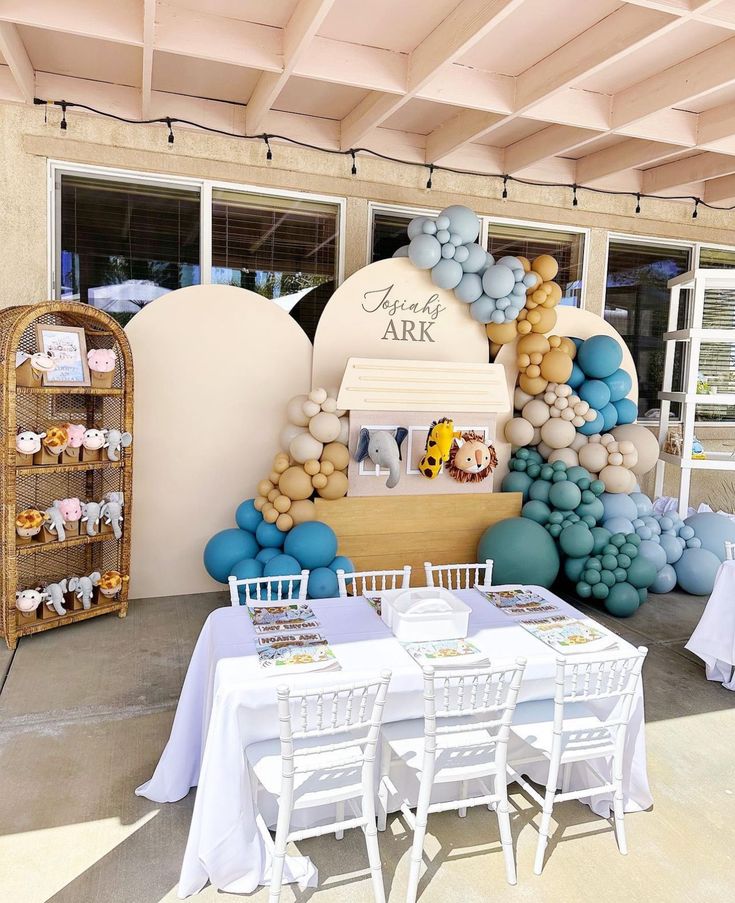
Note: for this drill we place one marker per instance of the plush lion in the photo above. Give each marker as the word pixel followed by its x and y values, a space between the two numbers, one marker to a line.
pixel 473 460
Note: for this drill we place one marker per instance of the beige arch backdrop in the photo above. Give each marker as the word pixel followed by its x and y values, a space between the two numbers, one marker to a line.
pixel 214 368
pixel 573 322
pixel 390 309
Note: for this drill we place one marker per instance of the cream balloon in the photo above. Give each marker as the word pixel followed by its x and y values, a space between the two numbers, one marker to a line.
pixel 289 433
pixel 295 411
pixel 519 432
pixel 325 427
pixel 645 444
pixel 536 412
pixel 617 479
pixel 305 447
pixel 558 433
pixel 567 455
pixel 593 456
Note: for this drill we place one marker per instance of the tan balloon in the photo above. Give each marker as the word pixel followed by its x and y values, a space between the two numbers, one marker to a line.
pixel 532 344
pixel 273 495
pixel 558 433
pixel 545 266
pixel 593 456
pixel 296 483
pixel 284 522
pixel 546 321
pixel 264 487
pixel 536 412
pixel 302 511
pixel 336 486
pixel 282 503
pixel 533 386
pixel 311 467
pixel 567 455
pixel 617 479
pixel 274 476
pixel 319 480
pixel 645 444
pixel 556 366
pixel 270 515
pixel 337 454
pixel 501 333
pixel 326 467
pixel 259 503
pixel 325 427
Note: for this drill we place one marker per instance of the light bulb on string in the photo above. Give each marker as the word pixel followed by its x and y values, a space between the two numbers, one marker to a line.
pixel 505 187
pixel 354 163
pixel 431 173
pixel 269 153
pixel 62 124
pixel 695 212
pixel 574 196
pixel 638 202
pixel 170 130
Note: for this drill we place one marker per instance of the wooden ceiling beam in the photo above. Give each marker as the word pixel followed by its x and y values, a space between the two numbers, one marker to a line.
pixel 629 154
pixel 718 191
pixel 149 27
pixel 697 168
pixel 553 141
pixel 16 56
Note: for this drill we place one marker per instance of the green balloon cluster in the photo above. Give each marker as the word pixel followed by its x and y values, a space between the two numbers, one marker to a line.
pixel 613 573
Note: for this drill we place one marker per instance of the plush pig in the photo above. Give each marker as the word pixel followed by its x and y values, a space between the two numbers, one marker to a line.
pixel 70 509
pixel 101 360
pixel 76 432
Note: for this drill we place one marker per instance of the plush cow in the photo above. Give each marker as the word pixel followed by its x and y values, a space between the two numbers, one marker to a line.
pixel 27 442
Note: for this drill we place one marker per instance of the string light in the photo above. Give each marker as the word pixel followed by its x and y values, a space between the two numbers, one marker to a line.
pixel 433 167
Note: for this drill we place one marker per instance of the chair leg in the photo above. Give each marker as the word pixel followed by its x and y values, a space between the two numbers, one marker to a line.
pixel 618 809
pixel 462 811
pixel 543 836
pixel 382 787
pixel 279 853
pixel 506 838
pixel 373 848
pixel 419 833
pixel 340 816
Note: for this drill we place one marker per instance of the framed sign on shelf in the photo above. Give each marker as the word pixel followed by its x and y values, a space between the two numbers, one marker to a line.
pixel 68 347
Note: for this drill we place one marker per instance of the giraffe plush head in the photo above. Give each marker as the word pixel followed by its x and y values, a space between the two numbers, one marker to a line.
pixel 438 446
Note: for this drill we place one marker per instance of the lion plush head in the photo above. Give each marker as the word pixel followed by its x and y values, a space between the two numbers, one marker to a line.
pixel 472 460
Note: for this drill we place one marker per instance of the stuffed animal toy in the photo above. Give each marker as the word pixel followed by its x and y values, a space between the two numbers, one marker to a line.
pixel 54 522
pixel 55 440
pixel 115 442
pixel 471 459
pixel 111 582
pixel 55 593
pixel 101 365
pixel 91 516
pixel 94 440
pixel 75 432
pixel 28 442
pixel 84 588
pixel 438 446
pixel 28 600
pixel 383 447
pixel 28 524
pixel 29 369
pixel 70 510
pixel 111 512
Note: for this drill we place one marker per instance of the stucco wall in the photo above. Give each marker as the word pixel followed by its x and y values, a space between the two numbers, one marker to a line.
pixel 27 142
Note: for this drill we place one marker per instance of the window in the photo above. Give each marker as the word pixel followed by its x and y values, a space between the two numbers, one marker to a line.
pixel 567 248
pixel 283 248
pixel 389 232
pixel 124 244
pixel 637 305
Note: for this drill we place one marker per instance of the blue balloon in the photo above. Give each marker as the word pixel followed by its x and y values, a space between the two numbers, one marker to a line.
pixel 653 552
pixel 696 571
pixel 283 566
pixel 322 584
pixel 446 273
pixel 619 383
pixel 712 529
pixel 416 226
pixel 269 536
pixel 401 252
pixel 672 548
pixel 265 555
pixel 609 416
pixel 627 410
pixel 483 309
pixel 595 393
pixel 516 481
pixel 599 356
pixel 462 222
pixel 246 516
pixel 469 288
pixel 342 563
pixel 313 544
pixel 498 281
pixel 577 377
pixel 642 503
pixel 247 569
pixel 618 525
pixel 225 549
pixel 665 580
pixel 425 252
pixel 594 426
pixel 477 260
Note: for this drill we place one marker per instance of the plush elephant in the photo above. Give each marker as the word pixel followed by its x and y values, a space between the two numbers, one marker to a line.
pixel 55 522
pixel 115 442
pixel 84 587
pixel 91 514
pixel 383 447
pixel 111 510
pixel 55 593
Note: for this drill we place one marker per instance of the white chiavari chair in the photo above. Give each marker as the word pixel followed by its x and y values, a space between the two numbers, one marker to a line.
pixel 567 730
pixel 729 551
pixel 459 576
pixel 463 737
pixel 261 591
pixel 325 756
pixel 362 583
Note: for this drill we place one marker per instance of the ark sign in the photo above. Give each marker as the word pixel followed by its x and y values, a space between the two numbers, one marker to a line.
pixel 401 319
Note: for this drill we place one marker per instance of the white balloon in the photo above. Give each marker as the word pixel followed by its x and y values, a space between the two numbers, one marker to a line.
pixel 294 411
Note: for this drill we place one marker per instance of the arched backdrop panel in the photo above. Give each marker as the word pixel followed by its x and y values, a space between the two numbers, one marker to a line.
pixel 572 322
pixel 214 368
pixel 390 309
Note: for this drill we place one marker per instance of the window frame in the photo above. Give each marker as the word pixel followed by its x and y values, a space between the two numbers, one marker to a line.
pixel 486 221
pixel 57 168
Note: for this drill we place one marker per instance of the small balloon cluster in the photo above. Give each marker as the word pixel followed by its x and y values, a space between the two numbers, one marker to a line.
pixel 499 292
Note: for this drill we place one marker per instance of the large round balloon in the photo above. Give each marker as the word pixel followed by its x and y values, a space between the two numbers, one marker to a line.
pixel 225 549
pixel 313 544
pixel 645 442
pixel 713 530
pixel 599 356
pixel 462 222
pixel 269 536
pixel 622 600
pixel 424 252
pixel 522 552
pixel 247 569
pixel 696 571
pixel 246 516
pixel 322 583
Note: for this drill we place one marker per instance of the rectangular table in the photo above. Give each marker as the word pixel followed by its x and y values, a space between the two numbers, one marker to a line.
pixel 227 702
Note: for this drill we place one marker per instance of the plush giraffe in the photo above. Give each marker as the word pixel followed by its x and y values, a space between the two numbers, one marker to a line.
pixel 438 446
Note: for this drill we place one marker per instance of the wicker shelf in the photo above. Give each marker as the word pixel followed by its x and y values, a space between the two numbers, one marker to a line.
pixel 32 548
pixel 42 469
pixel 37 486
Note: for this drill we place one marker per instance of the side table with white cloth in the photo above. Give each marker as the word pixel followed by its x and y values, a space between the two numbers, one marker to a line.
pixel 228 702
pixel 713 639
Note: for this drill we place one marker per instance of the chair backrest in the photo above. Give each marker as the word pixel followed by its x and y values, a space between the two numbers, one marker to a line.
pixel 729 550
pixel 587 678
pixel 459 576
pixel 361 583
pixel 255 591
pixel 351 713
pixel 471 699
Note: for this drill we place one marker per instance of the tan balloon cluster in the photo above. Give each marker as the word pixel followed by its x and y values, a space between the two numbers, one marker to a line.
pixel 613 460
pixel 538 315
pixel 543 360
pixel 317 458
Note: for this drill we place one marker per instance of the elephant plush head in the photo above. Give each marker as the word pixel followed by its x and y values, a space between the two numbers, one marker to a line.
pixel 383 447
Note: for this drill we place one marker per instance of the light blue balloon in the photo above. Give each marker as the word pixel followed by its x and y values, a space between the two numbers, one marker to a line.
pixel 618 504
pixel 642 503
pixel 618 525
pixel 665 580
pixel 627 410
pixel 429 227
pixel 416 226
pixel 497 316
pixel 595 393
pixel 462 221
pixel 671 547
pixel 498 281
pixel 531 280
pixel 520 290
pixel 455 239
pixel 696 571
pixel 461 255
pixel 687 532
pixel 483 309
pixel 476 260
pixel 442 221
pixel 448 251
pixel 401 252
pixel 518 301
pixel 712 529
pixel 513 263
pixel 654 552
pixel 619 383
pixel 694 543
pixel 424 252
pixel 442 236
pixel 502 303
pixel 469 288
pixel 446 274
pixel 512 313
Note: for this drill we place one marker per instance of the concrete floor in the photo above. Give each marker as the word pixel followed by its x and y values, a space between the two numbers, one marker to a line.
pixel 86 710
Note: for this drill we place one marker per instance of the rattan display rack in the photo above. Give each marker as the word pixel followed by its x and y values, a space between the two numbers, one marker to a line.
pixel 31 565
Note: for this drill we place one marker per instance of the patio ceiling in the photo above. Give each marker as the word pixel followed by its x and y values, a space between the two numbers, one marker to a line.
pixel 636 95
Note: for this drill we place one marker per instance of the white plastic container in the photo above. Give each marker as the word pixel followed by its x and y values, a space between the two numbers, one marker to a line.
pixel 423 614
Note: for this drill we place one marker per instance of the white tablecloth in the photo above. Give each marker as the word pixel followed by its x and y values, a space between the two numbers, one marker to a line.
pixel 226 703
pixel 714 637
